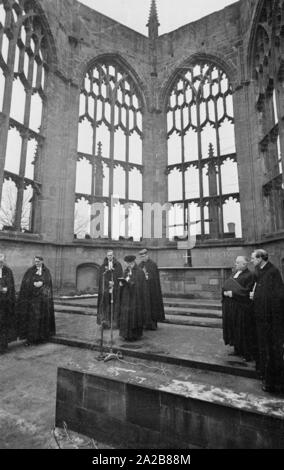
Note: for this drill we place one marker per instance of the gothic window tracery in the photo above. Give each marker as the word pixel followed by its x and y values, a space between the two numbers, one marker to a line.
pixel 23 71
pixel 109 164
pixel 202 162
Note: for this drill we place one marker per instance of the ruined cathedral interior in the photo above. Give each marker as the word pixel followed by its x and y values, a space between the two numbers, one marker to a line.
pixel 111 139
pixel 92 110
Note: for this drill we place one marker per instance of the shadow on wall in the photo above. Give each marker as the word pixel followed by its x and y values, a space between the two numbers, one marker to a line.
pixel 87 278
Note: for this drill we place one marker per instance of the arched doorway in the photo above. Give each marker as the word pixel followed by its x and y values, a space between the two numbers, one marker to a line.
pixel 87 278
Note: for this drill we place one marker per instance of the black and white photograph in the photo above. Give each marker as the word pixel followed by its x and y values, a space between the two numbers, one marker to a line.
pixel 141 228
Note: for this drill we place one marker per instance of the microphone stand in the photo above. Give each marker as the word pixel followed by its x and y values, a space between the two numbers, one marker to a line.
pixel 101 355
pixel 111 355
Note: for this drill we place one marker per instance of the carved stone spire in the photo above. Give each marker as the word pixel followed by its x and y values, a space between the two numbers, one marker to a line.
pixel 153 33
pixel 153 22
pixel 213 193
pixel 99 172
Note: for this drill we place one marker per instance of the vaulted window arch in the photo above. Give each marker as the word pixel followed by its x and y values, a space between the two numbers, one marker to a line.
pixel 109 164
pixel 202 162
pixel 24 57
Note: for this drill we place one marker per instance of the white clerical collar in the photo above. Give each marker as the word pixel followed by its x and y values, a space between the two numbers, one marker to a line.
pixel 261 267
pixel 39 270
pixel 237 274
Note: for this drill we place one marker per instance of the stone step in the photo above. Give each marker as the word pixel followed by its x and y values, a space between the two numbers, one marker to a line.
pixel 168 303
pixel 176 311
pixel 74 303
pixel 193 312
pixel 171 302
pixel 194 321
pixel 75 297
pixel 79 310
pixel 198 304
pixel 175 318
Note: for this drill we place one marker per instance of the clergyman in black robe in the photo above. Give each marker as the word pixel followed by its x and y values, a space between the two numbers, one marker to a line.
pixel 154 311
pixel 131 301
pixel 35 304
pixel 268 299
pixel 7 306
pixel 109 273
pixel 237 311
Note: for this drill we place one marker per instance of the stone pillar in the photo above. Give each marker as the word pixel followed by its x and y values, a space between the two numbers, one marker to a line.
pixel 155 185
pixel 249 164
pixel 5 114
pixel 58 162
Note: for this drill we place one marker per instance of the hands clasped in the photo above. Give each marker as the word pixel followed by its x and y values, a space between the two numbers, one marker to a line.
pixel 38 283
pixel 228 293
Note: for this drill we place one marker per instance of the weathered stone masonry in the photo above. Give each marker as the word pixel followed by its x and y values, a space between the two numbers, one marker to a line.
pixel 77 37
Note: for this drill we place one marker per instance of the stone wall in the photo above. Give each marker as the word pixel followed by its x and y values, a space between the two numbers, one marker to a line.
pixel 122 412
pixel 199 283
pixel 78 35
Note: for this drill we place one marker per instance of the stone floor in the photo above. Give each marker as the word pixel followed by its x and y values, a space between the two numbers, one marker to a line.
pixel 190 344
pixel 27 398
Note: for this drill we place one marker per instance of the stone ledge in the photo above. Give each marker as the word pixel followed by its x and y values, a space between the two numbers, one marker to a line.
pixel 195 268
pixel 195 363
pixel 20 236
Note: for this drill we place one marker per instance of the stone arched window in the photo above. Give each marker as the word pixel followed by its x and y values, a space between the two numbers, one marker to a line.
pixel 202 163
pixel 23 75
pixel 109 166
pixel 268 73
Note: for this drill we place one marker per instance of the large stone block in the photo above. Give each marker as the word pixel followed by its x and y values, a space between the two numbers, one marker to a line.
pixel 143 407
pixel 162 417
pixel 70 387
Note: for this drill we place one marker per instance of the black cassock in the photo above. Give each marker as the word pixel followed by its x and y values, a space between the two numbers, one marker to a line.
pixel 8 326
pixel 35 306
pixel 269 316
pixel 131 303
pixel 238 316
pixel 104 296
pixel 154 311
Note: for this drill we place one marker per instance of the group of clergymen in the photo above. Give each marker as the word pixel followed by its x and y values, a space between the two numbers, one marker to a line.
pixel 253 317
pixel 130 300
pixel 31 316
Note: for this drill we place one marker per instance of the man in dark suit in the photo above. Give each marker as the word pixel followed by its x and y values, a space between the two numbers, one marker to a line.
pixel 238 319
pixel 131 301
pixel 154 311
pixel 35 304
pixel 109 273
pixel 7 304
pixel 268 300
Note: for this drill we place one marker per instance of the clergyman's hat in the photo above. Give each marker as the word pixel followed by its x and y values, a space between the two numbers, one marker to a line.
pixel 143 252
pixel 129 258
